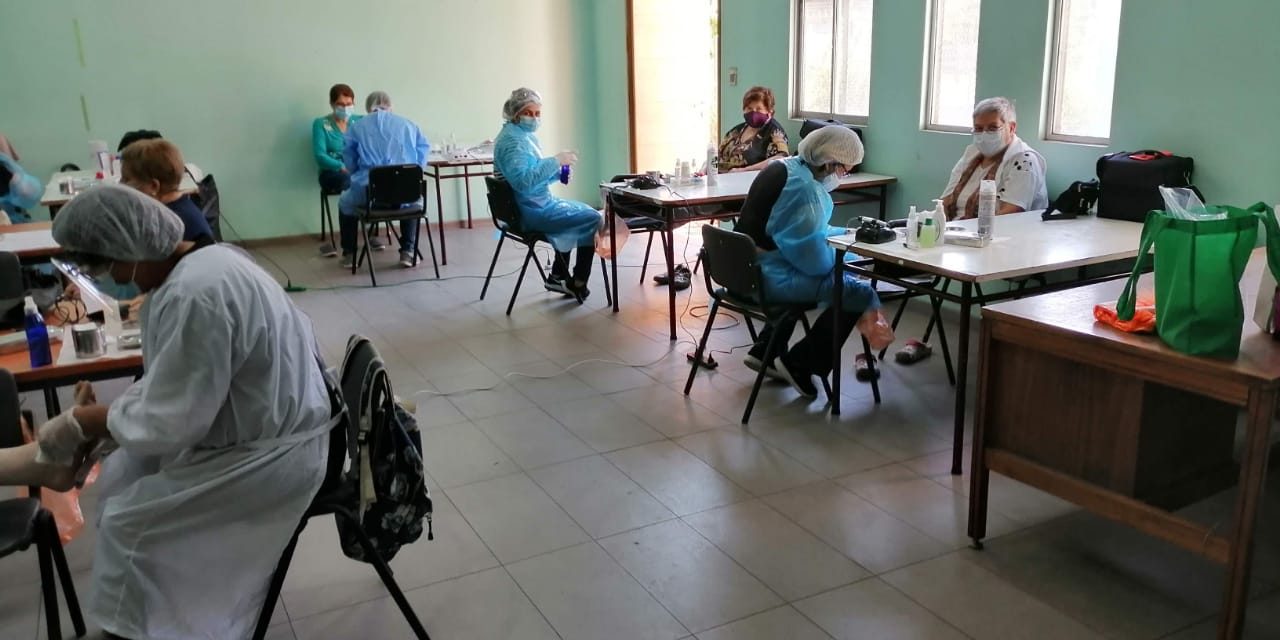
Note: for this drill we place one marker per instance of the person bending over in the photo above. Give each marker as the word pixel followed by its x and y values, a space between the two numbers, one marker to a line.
pixel 379 139
pixel 222 445
pixel 800 269
pixel 518 159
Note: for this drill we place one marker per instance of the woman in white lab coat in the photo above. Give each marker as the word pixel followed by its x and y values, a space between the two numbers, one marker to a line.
pixel 222 444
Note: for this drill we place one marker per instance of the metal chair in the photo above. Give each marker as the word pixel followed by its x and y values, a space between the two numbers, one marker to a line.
pixel 334 498
pixel 506 216
pixel 731 261
pixel 326 215
pixel 395 193
pixel 640 218
pixel 24 522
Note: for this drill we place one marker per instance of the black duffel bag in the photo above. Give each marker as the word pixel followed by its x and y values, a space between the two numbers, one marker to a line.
pixel 1130 182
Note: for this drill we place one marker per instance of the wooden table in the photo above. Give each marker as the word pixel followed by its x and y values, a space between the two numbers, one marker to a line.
pixel 437 163
pixel 684 203
pixel 30 241
pixel 1024 246
pixel 48 379
pixel 1123 425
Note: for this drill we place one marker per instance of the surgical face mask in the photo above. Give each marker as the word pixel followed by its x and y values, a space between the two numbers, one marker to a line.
pixel 830 182
pixel 106 284
pixel 343 113
pixel 755 119
pixel 529 123
pixel 989 143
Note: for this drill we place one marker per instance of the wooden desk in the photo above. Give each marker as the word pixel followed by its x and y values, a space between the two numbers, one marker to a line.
pixel 1024 246
pixel 30 241
pixel 688 200
pixel 473 166
pixel 1125 426
pixel 49 379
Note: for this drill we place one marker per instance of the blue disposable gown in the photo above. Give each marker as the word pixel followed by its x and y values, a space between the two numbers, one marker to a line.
pixel 378 139
pixel 800 270
pixel 566 223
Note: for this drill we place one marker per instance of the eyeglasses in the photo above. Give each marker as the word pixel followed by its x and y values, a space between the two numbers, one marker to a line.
pixel 988 129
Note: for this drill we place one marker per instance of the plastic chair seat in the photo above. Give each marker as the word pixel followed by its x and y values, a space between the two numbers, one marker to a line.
pixel 392 214
pixel 643 223
pixel 17 524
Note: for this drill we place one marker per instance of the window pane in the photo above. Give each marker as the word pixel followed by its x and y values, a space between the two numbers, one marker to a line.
pixel 953 71
pixel 853 59
pixel 814 68
pixel 1088 34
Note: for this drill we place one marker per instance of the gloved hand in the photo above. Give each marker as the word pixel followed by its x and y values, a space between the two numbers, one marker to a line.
pixel 60 439
pixel 567 157
pixel 85 395
pixel 24 189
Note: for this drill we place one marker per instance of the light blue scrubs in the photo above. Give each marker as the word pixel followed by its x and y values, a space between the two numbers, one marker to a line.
pixel 800 270
pixel 517 157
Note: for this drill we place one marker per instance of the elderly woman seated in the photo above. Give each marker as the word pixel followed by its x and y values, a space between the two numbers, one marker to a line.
pixel 998 154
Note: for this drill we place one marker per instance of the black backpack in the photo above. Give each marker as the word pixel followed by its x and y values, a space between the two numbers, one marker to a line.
pixel 206 197
pixel 1131 180
pixel 385 477
pixel 1074 201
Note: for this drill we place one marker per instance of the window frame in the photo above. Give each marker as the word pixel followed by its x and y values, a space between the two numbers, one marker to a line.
pixel 931 66
pixel 797 47
pixel 1053 85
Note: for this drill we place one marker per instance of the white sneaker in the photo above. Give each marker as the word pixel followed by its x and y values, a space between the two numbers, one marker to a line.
pixel 328 251
pixel 753 363
pixel 377 244
pixel 406 260
pixel 348 261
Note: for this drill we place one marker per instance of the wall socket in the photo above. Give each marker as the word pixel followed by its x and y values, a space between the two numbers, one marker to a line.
pixel 733 76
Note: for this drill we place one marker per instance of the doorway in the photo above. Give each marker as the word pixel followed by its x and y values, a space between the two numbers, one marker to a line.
pixel 673 55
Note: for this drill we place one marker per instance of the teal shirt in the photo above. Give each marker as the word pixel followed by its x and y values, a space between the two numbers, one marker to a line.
pixel 327 141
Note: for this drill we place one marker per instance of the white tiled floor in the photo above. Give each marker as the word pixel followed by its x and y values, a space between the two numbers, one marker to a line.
pixel 602 503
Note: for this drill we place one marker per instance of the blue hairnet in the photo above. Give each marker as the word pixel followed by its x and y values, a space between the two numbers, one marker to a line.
pixel 119 223
pixel 520 98
pixel 24 189
pixel 377 100
pixel 831 144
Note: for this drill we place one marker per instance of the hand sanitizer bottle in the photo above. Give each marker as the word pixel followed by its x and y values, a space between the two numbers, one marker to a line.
pixel 913 228
pixel 987 209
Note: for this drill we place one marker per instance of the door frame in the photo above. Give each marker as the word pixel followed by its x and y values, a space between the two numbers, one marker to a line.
pixel 631 74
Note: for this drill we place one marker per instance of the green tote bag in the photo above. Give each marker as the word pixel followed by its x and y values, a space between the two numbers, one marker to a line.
pixel 1198 265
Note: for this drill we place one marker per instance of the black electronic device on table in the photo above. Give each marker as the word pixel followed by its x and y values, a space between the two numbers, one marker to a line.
pixel 873 231
pixel 643 182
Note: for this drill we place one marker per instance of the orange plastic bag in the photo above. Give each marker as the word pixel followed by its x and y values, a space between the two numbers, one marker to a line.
pixel 65 506
pixel 876 329
pixel 1144 315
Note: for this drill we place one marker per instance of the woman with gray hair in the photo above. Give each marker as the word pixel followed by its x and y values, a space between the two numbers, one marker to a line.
pixel 518 159
pixel 222 444
pixel 998 154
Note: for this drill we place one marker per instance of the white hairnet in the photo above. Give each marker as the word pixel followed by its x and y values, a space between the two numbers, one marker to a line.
pixel 520 98
pixel 119 223
pixel 377 100
pixel 831 144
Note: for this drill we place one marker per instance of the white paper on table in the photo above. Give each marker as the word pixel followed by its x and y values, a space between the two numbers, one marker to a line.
pixel 1264 304
pixel 27 240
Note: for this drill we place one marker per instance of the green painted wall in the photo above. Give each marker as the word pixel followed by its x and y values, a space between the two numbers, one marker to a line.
pixel 1196 77
pixel 236 83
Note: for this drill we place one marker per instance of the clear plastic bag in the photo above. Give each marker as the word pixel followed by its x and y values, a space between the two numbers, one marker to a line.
pixel 64 505
pixel 606 249
pixel 1183 203
pixel 876 329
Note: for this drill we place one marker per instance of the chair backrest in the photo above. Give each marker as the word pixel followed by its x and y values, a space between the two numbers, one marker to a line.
pixel 629 208
pixel 394 185
pixel 502 204
pixel 10 411
pixel 729 258
pixel 13 288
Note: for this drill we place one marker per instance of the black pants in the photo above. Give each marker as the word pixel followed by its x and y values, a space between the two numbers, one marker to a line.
pixel 581 266
pixel 812 352
pixel 334 182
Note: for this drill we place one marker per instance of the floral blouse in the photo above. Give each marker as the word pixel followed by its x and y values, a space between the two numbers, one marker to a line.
pixel 770 141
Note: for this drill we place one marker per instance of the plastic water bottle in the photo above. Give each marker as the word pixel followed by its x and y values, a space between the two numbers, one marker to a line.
pixel 564 174
pixel 713 171
pixel 913 228
pixel 928 233
pixel 987 209
pixel 37 335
